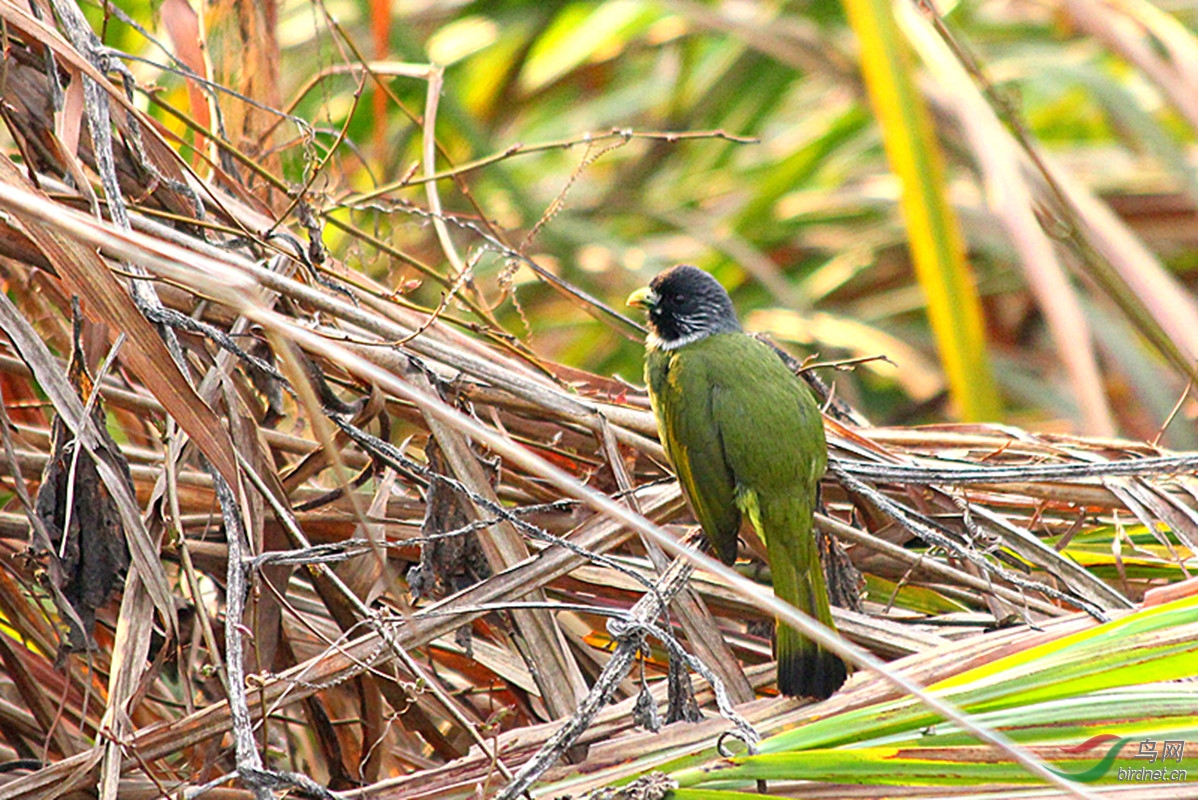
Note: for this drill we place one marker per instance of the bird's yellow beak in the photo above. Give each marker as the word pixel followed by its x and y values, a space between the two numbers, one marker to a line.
pixel 643 298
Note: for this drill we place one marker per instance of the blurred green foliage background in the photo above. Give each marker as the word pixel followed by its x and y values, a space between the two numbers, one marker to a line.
pixel 803 225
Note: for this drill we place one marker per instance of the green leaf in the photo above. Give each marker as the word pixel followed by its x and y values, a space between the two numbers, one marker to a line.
pixel 913 598
pixel 580 32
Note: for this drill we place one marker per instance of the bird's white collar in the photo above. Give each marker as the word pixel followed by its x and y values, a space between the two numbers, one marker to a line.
pixel 658 343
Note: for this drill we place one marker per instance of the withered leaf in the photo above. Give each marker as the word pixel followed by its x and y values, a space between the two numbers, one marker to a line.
pixel 88 555
pixel 454 562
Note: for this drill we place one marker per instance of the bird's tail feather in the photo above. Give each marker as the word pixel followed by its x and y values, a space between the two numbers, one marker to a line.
pixel 805 669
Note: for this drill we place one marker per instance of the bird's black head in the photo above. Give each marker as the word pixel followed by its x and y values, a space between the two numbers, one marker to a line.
pixel 685 304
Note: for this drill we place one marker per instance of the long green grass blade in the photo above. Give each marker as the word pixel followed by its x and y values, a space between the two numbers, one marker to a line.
pixel 937 247
pixel 962 766
pixel 1156 644
pixel 1059 730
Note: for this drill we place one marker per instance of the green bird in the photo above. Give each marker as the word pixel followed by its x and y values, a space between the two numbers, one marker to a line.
pixel 746 438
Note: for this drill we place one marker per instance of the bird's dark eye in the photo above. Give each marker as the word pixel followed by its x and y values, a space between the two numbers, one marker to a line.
pixel 679 299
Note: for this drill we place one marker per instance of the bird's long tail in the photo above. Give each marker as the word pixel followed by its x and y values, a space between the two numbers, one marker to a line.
pixel 805 669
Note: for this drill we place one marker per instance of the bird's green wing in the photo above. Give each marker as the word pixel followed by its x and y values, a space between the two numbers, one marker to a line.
pixel 680 386
pixel 773 440
pixel 769 424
